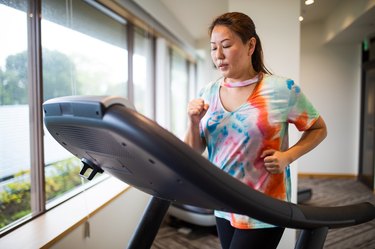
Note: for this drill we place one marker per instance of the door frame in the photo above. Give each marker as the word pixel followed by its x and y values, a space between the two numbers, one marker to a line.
pixel 368 63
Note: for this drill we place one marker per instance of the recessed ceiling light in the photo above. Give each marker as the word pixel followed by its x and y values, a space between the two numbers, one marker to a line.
pixel 308 2
pixel 300 18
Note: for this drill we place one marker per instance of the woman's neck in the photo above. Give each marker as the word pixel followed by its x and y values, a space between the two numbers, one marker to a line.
pixel 248 79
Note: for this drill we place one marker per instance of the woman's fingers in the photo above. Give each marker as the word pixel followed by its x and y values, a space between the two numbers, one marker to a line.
pixel 271 161
pixel 197 107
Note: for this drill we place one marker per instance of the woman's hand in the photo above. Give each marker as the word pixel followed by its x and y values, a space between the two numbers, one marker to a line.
pixel 275 161
pixel 196 109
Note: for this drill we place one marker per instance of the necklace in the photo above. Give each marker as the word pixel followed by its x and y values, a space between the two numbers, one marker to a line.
pixel 229 84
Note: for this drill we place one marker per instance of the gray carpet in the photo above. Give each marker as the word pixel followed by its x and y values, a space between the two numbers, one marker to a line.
pixel 338 192
pixel 175 234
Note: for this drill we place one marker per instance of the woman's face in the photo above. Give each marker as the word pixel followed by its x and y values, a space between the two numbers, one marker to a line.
pixel 230 55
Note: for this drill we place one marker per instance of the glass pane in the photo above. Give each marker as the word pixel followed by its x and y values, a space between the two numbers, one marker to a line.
pixel 14 114
pixel 179 94
pixel 142 72
pixel 84 53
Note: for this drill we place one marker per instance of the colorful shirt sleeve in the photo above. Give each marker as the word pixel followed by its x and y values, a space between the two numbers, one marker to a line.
pixel 301 112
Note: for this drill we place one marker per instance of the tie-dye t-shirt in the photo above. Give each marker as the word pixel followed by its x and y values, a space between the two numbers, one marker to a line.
pixel 235 140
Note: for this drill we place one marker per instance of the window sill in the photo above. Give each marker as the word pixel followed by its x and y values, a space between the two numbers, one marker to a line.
pixel 50 227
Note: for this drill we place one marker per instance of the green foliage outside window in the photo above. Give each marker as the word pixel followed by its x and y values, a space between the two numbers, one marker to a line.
pixel 15 198
pixel 13 79
pixel 61 176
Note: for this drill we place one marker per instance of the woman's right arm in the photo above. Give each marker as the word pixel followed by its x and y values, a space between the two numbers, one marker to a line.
pixel 197 108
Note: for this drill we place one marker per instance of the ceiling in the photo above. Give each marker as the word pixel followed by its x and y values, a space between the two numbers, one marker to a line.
pixel 320 10
pixel 196 20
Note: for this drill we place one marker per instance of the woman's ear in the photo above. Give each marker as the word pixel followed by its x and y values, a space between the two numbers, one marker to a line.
pixel 252 43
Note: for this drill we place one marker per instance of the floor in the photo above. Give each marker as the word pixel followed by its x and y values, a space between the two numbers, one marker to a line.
pixel 175 234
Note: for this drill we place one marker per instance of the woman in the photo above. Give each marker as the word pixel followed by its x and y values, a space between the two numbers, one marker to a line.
pixel 242 119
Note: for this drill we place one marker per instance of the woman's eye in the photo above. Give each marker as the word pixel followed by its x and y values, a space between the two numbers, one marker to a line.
pixel 213 49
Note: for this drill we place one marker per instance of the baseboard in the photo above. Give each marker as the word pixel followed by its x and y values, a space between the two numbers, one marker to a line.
pixel 332 176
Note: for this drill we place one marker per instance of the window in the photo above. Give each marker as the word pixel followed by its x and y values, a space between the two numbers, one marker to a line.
pixel 14 114
pixel 143 76
pixel 179 93
pixel 84 53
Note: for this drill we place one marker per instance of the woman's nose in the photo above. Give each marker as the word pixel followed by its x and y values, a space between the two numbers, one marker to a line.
pixel 219 53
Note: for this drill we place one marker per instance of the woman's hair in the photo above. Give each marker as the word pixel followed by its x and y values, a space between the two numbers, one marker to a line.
pixel 244 27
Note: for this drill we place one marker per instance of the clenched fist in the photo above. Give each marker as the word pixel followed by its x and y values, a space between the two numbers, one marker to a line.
pixel 196 109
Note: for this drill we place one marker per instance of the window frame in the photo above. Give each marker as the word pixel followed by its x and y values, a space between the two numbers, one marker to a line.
pixel 35 78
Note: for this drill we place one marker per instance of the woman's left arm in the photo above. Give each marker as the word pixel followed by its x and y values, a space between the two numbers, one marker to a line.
pixel 276 161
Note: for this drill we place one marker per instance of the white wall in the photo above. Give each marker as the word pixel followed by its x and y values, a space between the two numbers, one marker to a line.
pixel 330 76
pixel 111 227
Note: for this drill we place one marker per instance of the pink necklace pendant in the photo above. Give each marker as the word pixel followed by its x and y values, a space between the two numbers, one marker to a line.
pixel 253 80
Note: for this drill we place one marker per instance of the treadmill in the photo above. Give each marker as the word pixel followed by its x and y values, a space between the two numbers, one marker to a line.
pixel 108 134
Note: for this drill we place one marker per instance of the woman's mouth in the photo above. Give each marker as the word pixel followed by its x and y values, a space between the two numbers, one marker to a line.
pixel 223 66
